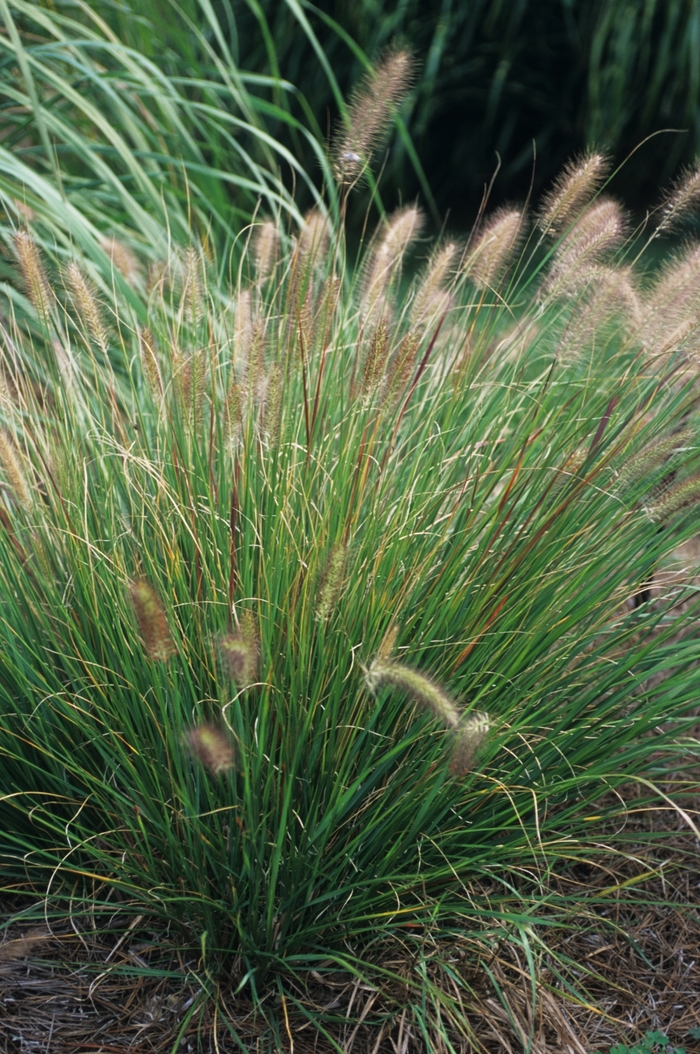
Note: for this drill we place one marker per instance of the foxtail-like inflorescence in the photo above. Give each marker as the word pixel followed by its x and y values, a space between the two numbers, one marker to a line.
pixel 152 621
pixel 371 108
pixel 225 486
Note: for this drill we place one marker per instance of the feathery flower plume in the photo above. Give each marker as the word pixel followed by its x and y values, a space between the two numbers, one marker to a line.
pixel 573 189
pixel 388 642
pixel 605 297
pixel 12 464
pixel 152 622
pixel 469 738
pixel 601 228
pixel 24 211
pixel 192 301
pixel 416 685
pixel 149 362
pixel 658 452
pixel 431 298
pixel 401 365
pixel 255 367
pixel 494 247
pixel 37 284
pixel 182 380
pixel 243 326
pixel 683 197
pixel 371 108
pixel 240 652
pixel 212 747
pixel 265 249
pixel 272 406
pixel 87 306
pixel 159 275
pixel 123 259
pixel 672 305
pixel 375 359
pixel 314 238
pixel 331 582
pixel 400 229
pixel 675 499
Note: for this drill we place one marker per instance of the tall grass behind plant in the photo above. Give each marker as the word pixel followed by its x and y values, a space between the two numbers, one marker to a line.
pixel 314 589
pixel 493 77
pixel 99 141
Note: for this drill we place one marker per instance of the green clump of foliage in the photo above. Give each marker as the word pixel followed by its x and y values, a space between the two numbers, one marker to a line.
pixel 651 1042
pixel 316 583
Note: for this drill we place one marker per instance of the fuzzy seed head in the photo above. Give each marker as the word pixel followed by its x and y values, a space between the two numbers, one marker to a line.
pixel 152 623
pixel 683 198
pixel 469 738
pixel 494 248
pixel 87 306
pixel 149 363
pixel 212 747
pixel 14 471
pixel 401 365
pixel 399 231
pixel 243 326
pixel 265 250
pixel 572 191
pixel 24 211
pixel 375 359
pixel 331 583
pixel 606 298
pixel 432 299
pixel 371 108
pixel 192 301
pixel 272 406
pixel 37 284
pixel 416 685
pixel 123 259
pixel 388 643
pixel 314 238
pixel 671 308
pixel 240 652
pixel 600 229
pixel 675 499
pixel 655 454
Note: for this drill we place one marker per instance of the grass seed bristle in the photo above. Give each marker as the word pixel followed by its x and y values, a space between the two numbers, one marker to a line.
pixel 212 747
pixel 684 197
pixel 152 623
pixel 87 306
pixel 468 740
pixel 149 362
pixel 331 585
pixel 494 247
pixel 399 231
pixel 417 686
pixel 240 652
pixel 265 250
pixel 577 185
pixel 14 470
pixel 123 259
pixel 37 284
pixel 369 113
pixel 601 228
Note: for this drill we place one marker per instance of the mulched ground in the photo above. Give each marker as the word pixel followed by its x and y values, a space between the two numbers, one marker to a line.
pixel 635 951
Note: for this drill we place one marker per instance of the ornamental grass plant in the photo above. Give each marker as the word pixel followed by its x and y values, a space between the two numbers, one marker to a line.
pixel 326 593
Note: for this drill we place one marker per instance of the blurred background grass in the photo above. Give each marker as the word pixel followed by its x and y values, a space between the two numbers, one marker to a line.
pixel 506 79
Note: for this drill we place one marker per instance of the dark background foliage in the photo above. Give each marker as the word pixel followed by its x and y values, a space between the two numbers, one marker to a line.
pixel 501 79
